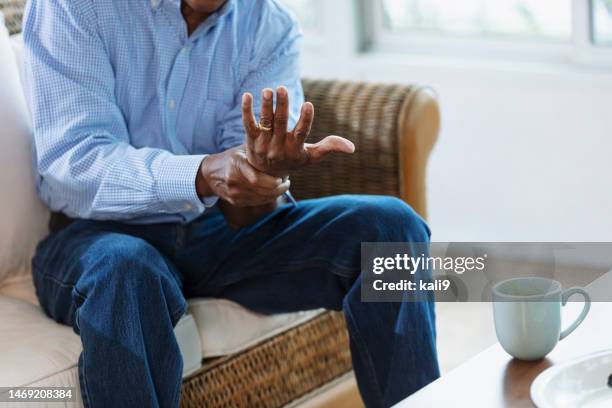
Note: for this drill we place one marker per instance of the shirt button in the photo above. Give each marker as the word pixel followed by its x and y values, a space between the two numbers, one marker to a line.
pixel 188 207
pixel 154 3
pixel 171 104
pixel 184 50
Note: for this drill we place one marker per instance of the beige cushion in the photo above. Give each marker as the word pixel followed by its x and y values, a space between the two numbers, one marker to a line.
pixel 23 218
pixel 221 327
pixel 226 327
pixel 36 351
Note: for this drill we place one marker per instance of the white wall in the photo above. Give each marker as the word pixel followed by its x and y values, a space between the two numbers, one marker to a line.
pixel 525 152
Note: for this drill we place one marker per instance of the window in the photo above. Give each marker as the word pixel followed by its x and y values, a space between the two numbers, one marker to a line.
pixel 328 25
pixel 577 32
pixel 305 11
pixel 601 17
pixel 541 19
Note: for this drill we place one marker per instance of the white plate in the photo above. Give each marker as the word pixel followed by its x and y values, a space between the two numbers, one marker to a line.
pixel 582 382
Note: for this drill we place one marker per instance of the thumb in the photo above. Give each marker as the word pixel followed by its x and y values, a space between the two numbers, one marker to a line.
pixel 331 144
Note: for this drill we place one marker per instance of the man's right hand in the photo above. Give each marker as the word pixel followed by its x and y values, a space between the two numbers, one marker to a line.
pixel 229 176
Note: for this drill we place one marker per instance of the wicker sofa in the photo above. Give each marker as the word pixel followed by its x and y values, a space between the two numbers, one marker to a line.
pixel 394 128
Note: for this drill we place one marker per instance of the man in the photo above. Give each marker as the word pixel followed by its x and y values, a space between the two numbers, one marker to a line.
pixel 147 143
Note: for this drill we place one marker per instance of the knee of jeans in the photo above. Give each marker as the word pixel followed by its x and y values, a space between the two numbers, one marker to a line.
pixel 393 220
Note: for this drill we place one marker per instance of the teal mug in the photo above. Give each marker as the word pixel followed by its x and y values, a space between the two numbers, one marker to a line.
pixel 527 313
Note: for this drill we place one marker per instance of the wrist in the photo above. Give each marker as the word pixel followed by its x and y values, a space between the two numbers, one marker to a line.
pixel 203 188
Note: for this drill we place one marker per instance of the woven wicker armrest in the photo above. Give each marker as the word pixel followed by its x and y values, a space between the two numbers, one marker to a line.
pixel 394 128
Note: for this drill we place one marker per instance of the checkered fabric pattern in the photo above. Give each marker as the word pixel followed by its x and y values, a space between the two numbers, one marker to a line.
pixel 126 104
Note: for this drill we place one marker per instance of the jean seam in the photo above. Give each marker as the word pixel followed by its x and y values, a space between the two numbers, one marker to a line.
pixel 177 314
pixel 82 376
pixel 357 339
pixel 81 296
pixel 57 281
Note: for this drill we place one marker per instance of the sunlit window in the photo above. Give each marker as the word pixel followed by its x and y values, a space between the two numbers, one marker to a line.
pixel 540 19
pixel 305 10
pixel 602 21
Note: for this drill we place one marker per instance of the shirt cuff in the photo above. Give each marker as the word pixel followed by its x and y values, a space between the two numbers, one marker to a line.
pixel 210 201
pixel 176 183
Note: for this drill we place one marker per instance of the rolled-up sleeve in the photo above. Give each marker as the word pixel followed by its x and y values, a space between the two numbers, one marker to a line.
pixel 82 143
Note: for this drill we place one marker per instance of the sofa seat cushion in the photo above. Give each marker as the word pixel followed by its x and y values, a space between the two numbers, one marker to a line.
pixel 226 328
pixel 33 348
pixel 36 350
pixel 212 327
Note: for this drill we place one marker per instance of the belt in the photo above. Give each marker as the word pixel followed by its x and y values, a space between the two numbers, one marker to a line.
pixel 58 221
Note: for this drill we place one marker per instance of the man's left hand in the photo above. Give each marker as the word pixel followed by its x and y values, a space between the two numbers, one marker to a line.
pixel 274 150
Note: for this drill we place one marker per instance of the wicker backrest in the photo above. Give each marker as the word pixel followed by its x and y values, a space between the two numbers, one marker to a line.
pixel 367 114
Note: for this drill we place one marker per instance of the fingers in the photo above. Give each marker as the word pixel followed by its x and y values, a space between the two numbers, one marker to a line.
pixel 250 195
pixel 267 108
pixel 281 115
pixel 304 125
pixel 275 193
pixel 248 119
pixel 260 185
pixel 258 179
pixel 231 177
pixel 331 144
pixel 252 198
pixel 265 122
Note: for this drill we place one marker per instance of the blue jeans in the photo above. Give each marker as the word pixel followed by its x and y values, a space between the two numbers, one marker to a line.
pixel 123 288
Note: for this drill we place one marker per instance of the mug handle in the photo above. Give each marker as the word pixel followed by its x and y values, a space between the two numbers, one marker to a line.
pixel 585 310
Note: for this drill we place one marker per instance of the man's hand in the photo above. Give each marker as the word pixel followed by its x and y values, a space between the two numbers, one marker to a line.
pixel 274 150
pixel 229 176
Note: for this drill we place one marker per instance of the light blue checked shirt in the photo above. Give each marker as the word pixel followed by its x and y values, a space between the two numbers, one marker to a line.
pixel 126 105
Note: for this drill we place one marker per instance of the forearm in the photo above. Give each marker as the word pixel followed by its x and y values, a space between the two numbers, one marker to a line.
pixel 106 189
